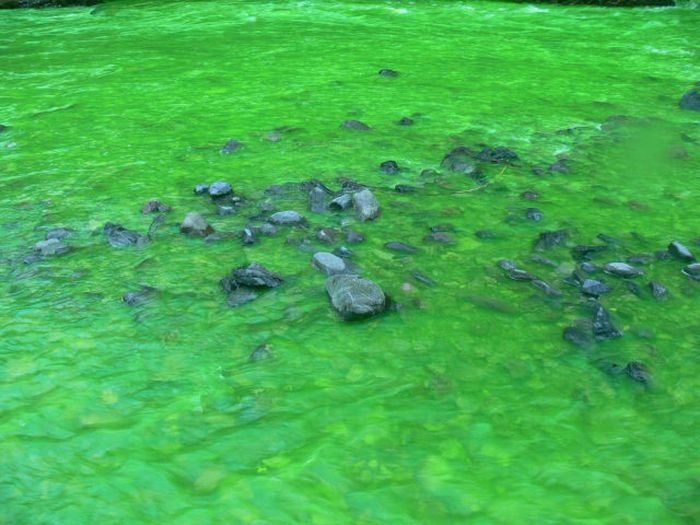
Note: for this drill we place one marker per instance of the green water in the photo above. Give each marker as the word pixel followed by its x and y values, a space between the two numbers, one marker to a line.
pixel 466 405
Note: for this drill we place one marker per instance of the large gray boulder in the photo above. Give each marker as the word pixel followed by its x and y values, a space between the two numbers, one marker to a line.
pixel 366 205
pixel 354 297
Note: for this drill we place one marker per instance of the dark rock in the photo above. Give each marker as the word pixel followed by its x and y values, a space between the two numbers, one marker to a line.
pixel 579 336
pixel 485 234
pixel 342 251
pixel 440 237
pixel 366 205
pixel 287 218
pixel 584 252
pixel 634 288
pixel 691 100
pixel 354 237
pixel 530 195
pixel 497 155
pixel 341 202
pixel 195 224
pixel 518 274
pixel 639 372
pixel 327 235
pixel 356 125
pixel 405 121
pixel 594 288
pixel 404 188
pixel 225 211
pixel 603 327
pixel 201 189
pixel 545 287
pixel 588 267
pixel 253 276
pixel 400 247
pixel 692 271
pixel 154 206
pixel 319 199
pixel 460 160
pixel 507 264
pixel 681 252
pixel 241 296
pixel 120 237
pixel 51 247
pixel 220 189
pixel 58 233
pixel 550 239
pixel 622 269
pixel 658 290
pixel 261 353
pixel 328 263
pixel 140 296
pixel 560 166
pixel 231 146
pixel 354 297
pixel 422 278
pixel 390 167
pixel 534 214
pixel 248 236
pixel 388 73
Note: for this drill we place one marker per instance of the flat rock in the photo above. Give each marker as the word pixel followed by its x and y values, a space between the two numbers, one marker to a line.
pixel 253 276
pixel 328 263
pixel 355 124
pixel 59 233
pixel 440 237
pixel 622 269
pixel 120 237
pixel 388 73
pixel 579 336
pixel 679 251
pixel 51 247
pixel 400 247
pixel 231 146
pixel 460 160
pixel 594 288
pixel 354 297
pixel 220 189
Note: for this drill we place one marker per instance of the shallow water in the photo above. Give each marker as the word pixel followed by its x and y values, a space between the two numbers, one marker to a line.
pixel 465 405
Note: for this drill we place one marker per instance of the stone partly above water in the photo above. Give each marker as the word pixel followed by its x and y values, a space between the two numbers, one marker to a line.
pixel 690 101
pixel 329 263
pixel 366 205
pixel 354 297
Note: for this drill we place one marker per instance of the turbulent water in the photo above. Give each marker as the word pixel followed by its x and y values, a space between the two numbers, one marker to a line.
pixel 463 405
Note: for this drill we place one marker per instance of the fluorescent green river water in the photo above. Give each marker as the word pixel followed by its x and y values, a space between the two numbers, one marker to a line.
pixel 464 404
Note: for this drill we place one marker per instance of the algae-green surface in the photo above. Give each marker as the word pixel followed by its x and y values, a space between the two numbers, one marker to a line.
pixel 465 405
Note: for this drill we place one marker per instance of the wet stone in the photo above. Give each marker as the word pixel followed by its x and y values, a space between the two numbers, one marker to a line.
pixel 690 101
pixel 594 288
pixel 633 288
pixel 388 73
pixel 603 327
pixel 390 167
pixel 507 264
pixel 201 189
pixel 422 278
pixel 319 199
pixel 328 263
pixel 261 353
pixel 622 269
pixel 354 237
pixel 679 251
pixel 518 274
pixel 546 287
pixel 560 166
pixel 248 236
pixel 498 154
pixel 534 214
pixel 231 146
pixel 405 121
pixel 354 297
pixel 460 160
pixel 220 189
pixel 692 271
pixel 588 267
pixel 638 372
pixel 139 297
pixel 356 125
pixel 154 206
pixel 120 237
pixel 51 247
pixel 579 336
pixel 196 225
pixel 400 247
pixel 550 239
pixel 658 290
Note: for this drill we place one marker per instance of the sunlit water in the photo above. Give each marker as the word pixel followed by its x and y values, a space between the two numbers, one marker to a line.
pixel 465 405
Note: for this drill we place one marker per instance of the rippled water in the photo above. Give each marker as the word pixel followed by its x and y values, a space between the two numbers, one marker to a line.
pixel 464 406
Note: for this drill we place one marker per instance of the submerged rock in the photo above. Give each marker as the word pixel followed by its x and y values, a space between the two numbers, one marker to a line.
pixel 692 271
pixel 405 121
pixel 460 160
pixel 639 372
pixel 261 353
pixel 287 218
pixel 400 247
pixel 366 205
pixel 390 167
pixel 579 336
pixel 355 124
pixel 154 206
pixel 603 327
pixel 140 296
pixel 51 247
pixel 405 188
pixel 59 233
pixel 534 214
pixel 497 155
pixel 550 239
pixel 354 297
pixel 231 146
pixel 195 224
pixel 691 100
pixel 120 237
pixel 658 290
pixel 388 73
pixel 254 276
pixel 440 237
pixel 241 296
pixel 328 263
pixel 679 251
pixel 594 288
pixel 354 237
